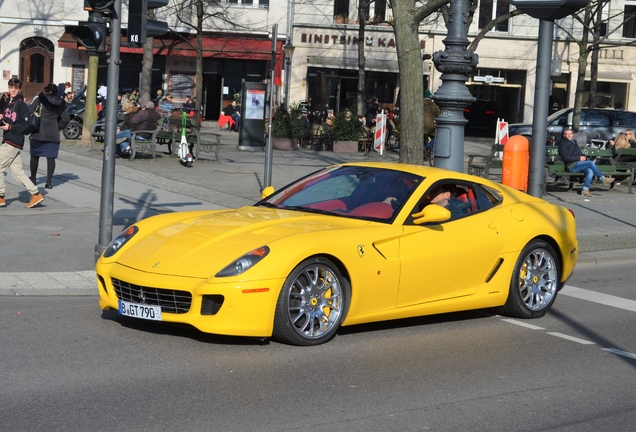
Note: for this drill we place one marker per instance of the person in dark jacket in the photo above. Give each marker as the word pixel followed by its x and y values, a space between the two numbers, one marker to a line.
pixel 46 142
pixel 232 111
pixel 188 104
pixel 372 110
pixel 14 122
pixel 145 120
pixel 575 162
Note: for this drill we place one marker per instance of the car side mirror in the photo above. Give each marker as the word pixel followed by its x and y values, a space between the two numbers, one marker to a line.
pixel 267 192
pixel 431 213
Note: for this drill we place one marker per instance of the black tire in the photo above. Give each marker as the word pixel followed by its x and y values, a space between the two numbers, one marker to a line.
pixel 430 156
pixel 312 304
pixel 73 130
pixel 535 282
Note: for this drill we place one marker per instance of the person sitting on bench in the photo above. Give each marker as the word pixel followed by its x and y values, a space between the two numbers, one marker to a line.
pixel 144 120
pixel 575 162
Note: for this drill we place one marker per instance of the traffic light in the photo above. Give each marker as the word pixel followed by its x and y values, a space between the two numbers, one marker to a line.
pixel 549 10
pixel 139 26
pixel 92 34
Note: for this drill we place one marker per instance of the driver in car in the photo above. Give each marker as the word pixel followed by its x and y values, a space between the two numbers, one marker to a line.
pixel 446 196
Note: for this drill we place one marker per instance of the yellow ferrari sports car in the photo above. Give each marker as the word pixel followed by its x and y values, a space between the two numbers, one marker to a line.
pixel 349 244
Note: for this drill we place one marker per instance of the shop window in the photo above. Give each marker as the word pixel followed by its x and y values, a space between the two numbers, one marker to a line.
pixel 379 12
pixel 491 9
pixel 629 22
pixel 341 9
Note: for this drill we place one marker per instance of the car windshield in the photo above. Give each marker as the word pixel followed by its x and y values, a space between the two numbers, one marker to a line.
pixel 349 191
pixel 558 114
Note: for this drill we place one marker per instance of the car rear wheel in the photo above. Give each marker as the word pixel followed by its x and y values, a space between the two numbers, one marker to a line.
pixel 534 283
pixel 312 303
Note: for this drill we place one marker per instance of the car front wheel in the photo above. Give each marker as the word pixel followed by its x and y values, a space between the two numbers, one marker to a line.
pixel 312 303
pixel 534 283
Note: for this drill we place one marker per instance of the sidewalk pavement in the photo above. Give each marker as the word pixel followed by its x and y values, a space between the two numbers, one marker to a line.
pixel 49 250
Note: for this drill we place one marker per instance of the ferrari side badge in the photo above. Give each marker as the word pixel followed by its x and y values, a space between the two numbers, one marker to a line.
pixel 361 251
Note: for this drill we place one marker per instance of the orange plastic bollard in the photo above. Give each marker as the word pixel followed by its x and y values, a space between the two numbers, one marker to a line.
pixel 516 161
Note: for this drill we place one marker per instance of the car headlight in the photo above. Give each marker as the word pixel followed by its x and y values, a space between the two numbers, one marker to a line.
pixel 244 263
pixel 120 241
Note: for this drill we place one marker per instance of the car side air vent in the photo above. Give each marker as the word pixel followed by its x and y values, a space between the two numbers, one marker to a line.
pixel 211 304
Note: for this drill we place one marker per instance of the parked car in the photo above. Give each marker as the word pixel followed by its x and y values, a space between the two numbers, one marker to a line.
pixel 349 244
pixel 481 115
pixel 596 123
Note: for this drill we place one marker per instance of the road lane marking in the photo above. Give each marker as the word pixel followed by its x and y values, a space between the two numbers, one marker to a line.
pixel 572 338
pixel 619 352
pixel 522 324
pixel 600 298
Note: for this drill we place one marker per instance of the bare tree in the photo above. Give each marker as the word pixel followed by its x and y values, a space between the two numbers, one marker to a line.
pixel 363 14
pixel 194 14
pixel 407 18
pixel 590 40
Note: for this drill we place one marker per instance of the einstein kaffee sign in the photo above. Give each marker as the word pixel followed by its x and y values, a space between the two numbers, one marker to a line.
pixel 330 38
pixel 339 49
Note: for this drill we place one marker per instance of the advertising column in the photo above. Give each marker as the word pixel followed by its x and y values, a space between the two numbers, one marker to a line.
pixel 252 130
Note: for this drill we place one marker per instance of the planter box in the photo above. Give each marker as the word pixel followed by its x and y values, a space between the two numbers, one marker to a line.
pixel 284 143
pixel 345 146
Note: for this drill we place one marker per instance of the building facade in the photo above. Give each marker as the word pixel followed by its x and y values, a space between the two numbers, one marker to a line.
pixel 36 46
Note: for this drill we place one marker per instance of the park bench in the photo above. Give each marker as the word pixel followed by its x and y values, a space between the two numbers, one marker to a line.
pixel 556 167
pixel 480 165
pixel 626 155
pixel 162 135
pixel 193 136
pixel 97 132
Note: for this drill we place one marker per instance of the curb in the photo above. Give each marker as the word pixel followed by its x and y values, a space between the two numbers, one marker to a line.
pixel 607 256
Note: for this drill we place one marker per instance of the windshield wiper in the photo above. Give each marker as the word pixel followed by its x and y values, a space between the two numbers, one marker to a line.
pixel 310 210
pixel 266 204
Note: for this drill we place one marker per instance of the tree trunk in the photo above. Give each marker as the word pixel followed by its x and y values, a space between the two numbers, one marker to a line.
pixel 362 19
pixel 592 103
pixel 198 102
pixel 412 89
pixel 145 85
pixel 90 106
pixel 580 78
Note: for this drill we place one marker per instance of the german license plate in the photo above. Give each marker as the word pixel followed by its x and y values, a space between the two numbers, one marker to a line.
pixel 142 311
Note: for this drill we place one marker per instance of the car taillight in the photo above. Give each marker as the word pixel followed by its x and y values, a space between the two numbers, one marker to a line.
pixel 491 112
pixel 572 213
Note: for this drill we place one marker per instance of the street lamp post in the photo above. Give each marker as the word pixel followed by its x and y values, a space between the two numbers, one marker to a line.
pixel 455 63
pixel 289 53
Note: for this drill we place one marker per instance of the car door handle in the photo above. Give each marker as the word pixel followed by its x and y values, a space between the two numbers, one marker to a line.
pixel 494 225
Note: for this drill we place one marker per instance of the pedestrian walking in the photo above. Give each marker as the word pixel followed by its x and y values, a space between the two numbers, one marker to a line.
pixel 46 142
pixel 14 121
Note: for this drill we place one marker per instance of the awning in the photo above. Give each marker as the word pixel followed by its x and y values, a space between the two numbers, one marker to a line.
pixel 213 47
pixel 352 63
pixel 619 77
pixel 67 41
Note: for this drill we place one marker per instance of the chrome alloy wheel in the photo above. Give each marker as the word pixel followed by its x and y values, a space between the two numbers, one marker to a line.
pixel 538 279
pixel 315 303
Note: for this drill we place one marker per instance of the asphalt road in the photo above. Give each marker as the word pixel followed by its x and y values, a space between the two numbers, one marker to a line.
pixel 68 366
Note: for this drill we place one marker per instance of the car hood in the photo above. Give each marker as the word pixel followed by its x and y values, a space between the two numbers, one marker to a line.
pixel 203 243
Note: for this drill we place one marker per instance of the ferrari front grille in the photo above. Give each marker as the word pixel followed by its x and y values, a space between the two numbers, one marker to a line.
pixel 171 301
